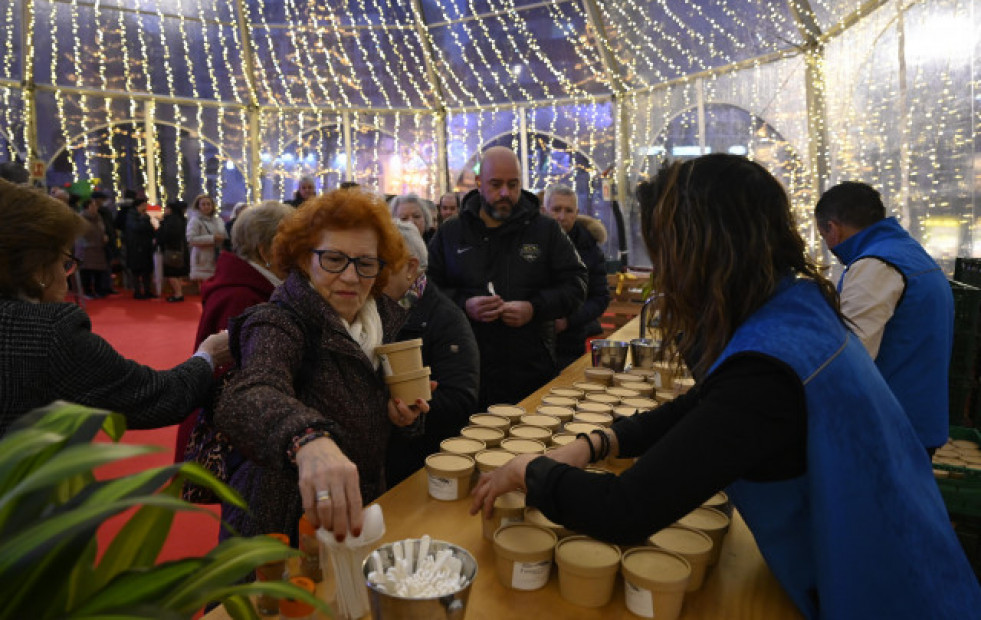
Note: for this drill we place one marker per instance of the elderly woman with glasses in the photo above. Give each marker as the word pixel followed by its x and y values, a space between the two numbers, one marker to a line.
pixel 309 407
pixel 47 348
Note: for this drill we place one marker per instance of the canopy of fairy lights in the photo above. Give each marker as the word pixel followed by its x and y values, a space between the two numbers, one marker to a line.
pixel 241 98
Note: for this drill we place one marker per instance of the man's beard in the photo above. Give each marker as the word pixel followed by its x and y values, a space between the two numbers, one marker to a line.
pixel 495 211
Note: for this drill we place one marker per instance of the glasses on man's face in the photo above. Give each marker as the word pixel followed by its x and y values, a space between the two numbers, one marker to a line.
pixel 71 264
pixel 333 261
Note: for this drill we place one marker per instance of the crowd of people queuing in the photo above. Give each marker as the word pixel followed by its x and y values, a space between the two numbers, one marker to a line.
pixel 817 404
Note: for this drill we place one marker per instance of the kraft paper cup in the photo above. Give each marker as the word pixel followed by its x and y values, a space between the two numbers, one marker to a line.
pixel 642 404
pixel 462 445
pixel 645 374
pixel 409 386
pixel 527 431
pixel 517 445
pixel 623 411
pixel 508 508
pixel 594 417
pixel 664 396
pixel 654 582
pixel 589 386
pixel 642 388
pixel 562 439
pixel 492 458
pixel 581 427
pixel 693 545
pixel 622 392
pixel 534 516
pixel 568 392
pixel 400 357
pixel 493 421
pixel 622 377
pixel 450 475
pixel 603 398
pixel 591 406
pixel 559 401
pixel 564 414
pixel 711 521
pixel 599 375
pixel 720 501
pixel 523 555
pixel 512 412
pixel 550 422
pixel 490 436
pixel 587 570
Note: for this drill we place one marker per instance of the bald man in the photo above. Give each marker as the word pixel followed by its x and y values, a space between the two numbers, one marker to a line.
pixel 513 271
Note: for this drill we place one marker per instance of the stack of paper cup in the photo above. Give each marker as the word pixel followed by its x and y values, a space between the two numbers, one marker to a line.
pixel 407 378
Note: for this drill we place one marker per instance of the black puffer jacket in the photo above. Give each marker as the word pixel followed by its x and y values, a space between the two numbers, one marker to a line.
pixel 586 234
pixel 527 258
pixel 450 351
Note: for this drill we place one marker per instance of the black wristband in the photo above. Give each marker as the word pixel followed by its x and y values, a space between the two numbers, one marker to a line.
pixel 589 442
pixel 604 450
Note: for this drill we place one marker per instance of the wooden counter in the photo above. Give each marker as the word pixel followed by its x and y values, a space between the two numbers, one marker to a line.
pixel 740 586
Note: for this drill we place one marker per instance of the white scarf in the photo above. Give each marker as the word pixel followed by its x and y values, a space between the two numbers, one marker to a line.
pixel 366 330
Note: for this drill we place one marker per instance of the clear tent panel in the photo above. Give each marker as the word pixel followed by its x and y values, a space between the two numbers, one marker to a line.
pixel 11 55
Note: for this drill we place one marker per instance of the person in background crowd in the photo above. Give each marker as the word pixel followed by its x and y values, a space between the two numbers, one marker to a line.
pixel 587 234
pixel 898 302
pixel 243 278
pixel 47 349
pixel 105 285
pixel 514 272
pixel 410 208
pixel 60 193
pixel 236 211
pixel 14 172
pixel 790 416
pixel 448 349
pixel 466 181
pixel 314 425
pixel 91 250
pixel 305 190
pixel 205 234
pixel 449 205
pixel 140 234
pixel 172 243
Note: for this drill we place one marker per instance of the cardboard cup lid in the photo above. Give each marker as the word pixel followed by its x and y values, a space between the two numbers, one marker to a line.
pixel 462 445
pixel 559 401
pixel 493 457
pixel 483 433
pixel 540 419
pixel 589 386
pixel 643 404
pixel 561 439
pixel 402 345
pixel 508 411
pixel 489 419
pixel 453 465
pixel 530 431
pixel 586 553
pixel 656 565
pixel 683 540
pixel 518 445
pixel 705 519
pixel 525 538
pixel 581 427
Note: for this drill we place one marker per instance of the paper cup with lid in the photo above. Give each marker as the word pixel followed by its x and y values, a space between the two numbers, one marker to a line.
pixel 517 445
pixel 711 521
pixel 462 445
pixel 599 418
pixel 410 386
pixel 664 373
pixel 527 431
pixel 720 501
pixel 643 374
pixel 594 407
pixel 534 516
pixel 691 544
pixel 450 475
pixel 587 570
pixel 400 357
pixel 602 398
pixel 643 389
pixel 490 436
pixel 623 392
pixel 568 392
pixel 513 413
pixel 508 508
pixel 491 420
pixel 559 401
pixel 491 459
pixel 589 386
pixel 641 404
pixel 523 555
pixel 550 422
pixel 581 427
pixel 562 439
pixel 622 377
pixel 599 375
pixel 654 582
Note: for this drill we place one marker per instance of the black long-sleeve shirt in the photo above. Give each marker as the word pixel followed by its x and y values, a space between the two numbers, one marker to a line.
pixel 746 421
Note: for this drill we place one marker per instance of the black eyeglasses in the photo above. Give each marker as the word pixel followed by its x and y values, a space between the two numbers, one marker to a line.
pixel 71 264
pixel 333 261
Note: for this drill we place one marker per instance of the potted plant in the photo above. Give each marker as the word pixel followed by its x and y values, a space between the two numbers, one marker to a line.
pixel 51 506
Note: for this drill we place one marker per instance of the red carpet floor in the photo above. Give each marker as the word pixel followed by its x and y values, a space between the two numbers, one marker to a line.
pixel 160 335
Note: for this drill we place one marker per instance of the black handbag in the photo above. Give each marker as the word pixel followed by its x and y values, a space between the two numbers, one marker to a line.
pixel 173 259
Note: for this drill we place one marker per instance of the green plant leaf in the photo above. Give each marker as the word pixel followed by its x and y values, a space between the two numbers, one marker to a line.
pixel 139 541
pixel 279 589
pixel 199 475
pixel 240 608
pixel 144 586
pixel 71 462
pixel 82 581
pixel 231 561
pixel 17 451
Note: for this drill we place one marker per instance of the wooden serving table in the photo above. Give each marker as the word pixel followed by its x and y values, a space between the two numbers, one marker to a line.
pixel 740 586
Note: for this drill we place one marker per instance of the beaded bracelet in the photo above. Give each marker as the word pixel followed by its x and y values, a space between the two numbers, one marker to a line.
pixel 605 446
pixel 298 441
pixel 589 442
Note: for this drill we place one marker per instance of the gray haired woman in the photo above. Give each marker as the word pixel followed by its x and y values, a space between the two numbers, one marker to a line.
pixel 412 208
pixel 448 348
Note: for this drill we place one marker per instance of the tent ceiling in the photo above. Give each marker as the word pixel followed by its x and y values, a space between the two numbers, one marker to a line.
pixel 398 54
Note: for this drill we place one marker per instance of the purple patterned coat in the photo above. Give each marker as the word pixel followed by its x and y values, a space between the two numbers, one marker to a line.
pixel 261 412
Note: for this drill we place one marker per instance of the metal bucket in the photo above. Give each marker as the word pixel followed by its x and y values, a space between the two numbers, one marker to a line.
pixel 642 352
pixel 385 606
pixel 610 354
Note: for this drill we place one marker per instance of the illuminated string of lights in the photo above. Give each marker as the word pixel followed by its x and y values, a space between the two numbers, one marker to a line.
pixel 408 67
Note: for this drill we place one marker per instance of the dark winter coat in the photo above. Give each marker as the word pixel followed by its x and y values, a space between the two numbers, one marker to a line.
pixel 139 242
pixel 262 413
pixel 450 351
pixel 587 234
pixel 48 352
pixel 527 258
pixel 170 236
pixel 91 246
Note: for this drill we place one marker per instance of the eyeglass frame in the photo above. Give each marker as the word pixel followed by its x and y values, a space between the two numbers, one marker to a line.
pixel 72 264
pixel 347 261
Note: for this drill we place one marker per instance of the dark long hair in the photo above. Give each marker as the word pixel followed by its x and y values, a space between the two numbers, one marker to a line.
pixel 720 235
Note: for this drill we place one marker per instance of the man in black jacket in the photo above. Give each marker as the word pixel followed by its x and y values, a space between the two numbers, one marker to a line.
pixel 513 271
pixel 586 233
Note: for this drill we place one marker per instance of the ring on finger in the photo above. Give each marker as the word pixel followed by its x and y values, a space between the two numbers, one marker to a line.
pixel 323 496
